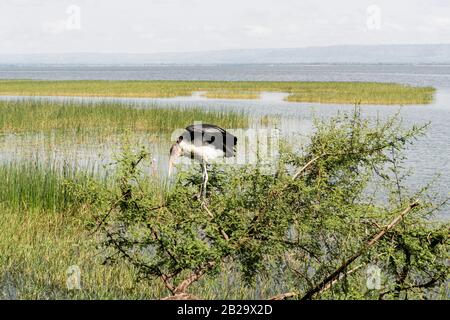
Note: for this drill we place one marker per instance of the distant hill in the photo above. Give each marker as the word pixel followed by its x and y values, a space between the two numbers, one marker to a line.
pixel 390 54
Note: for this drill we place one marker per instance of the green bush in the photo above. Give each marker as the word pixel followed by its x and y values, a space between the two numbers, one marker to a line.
pixel 317 224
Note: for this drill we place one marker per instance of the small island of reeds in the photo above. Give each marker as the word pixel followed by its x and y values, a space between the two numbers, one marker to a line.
pixel 315 92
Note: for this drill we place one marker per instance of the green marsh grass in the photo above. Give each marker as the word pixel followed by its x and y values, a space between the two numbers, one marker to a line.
pixel 325 92
pixel 364 93
pixel 43 231
pixel 231 95
pixel 44 116
pixel 32 185
pixel 38 246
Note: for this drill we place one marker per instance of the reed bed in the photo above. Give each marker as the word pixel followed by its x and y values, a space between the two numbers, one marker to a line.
pixel 44 231
pixel 231 95
pixel 33 185
pixel 364 93
pixel 38 246
pixel 43 116
pixel 43 227
pixel 325 92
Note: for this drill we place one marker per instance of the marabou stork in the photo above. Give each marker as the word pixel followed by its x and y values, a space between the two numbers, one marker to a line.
pixel 204 143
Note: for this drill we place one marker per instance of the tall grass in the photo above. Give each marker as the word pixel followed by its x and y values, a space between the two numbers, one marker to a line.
pixel 32 185
pixel 365 93
pixel 37 247
pixel 41 116
pixel 327 92
pixel 43 227
pixel 43 231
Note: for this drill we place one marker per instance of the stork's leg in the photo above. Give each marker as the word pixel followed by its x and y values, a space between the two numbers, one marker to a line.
pixel 202 185
pixel 205 179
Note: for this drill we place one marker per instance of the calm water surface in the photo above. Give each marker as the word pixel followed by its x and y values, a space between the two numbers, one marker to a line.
pixel 435 75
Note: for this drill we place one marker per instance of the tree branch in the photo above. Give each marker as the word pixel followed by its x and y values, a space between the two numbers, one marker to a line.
pixel 427 284
pixel 295 293
pixel 358 152
pixel 224 234
pixel 325 284
pixel 306 166
pixel 284 296
pixel 181 288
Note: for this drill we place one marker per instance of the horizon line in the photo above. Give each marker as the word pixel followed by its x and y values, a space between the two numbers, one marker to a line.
pixel 224 50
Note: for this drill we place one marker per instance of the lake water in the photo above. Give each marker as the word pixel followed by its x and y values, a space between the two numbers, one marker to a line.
pixel 429 156
pixel 434 75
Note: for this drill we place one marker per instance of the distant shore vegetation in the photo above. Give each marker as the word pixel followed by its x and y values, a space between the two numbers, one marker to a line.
pixel 314 92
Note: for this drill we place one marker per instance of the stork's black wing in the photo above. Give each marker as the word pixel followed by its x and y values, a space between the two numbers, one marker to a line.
pixel 211 135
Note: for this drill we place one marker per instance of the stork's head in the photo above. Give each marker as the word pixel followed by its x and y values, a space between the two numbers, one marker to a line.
pixel 175 152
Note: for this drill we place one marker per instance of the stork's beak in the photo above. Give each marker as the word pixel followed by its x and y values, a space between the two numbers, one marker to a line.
pixel 174 154
pixel 171 162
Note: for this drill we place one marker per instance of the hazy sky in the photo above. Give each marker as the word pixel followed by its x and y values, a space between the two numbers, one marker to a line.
pixel 145 26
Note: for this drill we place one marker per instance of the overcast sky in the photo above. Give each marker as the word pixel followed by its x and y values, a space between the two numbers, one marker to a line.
pixel 146 26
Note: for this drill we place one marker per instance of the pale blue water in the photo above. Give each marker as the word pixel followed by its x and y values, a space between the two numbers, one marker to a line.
pixel 434 75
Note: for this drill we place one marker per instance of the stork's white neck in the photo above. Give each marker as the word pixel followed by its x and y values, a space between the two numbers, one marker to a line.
pixel 186 148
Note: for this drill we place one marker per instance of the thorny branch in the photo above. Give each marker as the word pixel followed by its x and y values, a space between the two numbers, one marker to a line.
pixel 335 276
